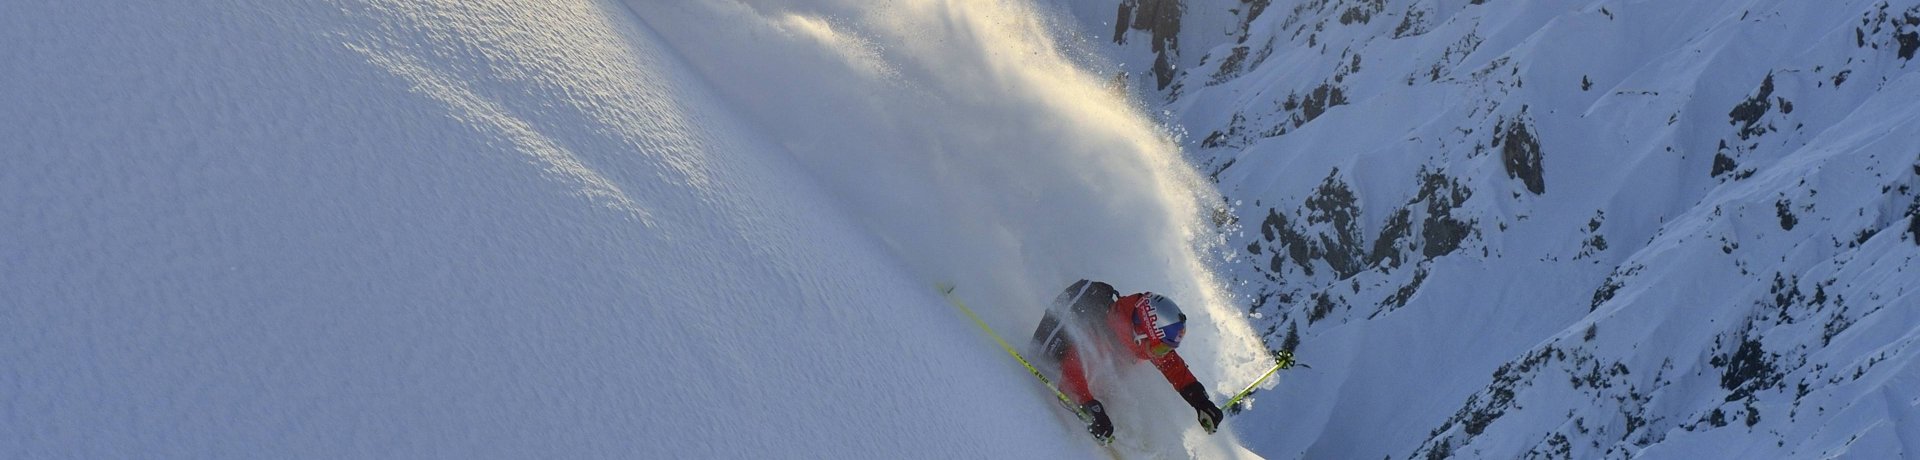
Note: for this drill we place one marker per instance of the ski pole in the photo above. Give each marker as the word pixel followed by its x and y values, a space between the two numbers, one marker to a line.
pixel 1282 359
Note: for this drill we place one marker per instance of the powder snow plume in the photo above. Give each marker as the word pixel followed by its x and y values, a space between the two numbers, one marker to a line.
pixel 964 135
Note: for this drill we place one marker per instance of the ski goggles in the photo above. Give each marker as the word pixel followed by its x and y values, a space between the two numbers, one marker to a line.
pixel 1158 349
pixel 1167 338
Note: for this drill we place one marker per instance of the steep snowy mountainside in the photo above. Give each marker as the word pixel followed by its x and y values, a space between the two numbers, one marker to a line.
pixel 471 229
pixel 1558 228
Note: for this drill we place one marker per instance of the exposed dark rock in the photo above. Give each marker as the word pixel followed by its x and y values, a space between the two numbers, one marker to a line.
pixel 1786 294
pixel 1292 341
pixel 1440 232
pixel 1612 285
pixel 1274 220
pixel 1483 408
pixel 1230 67
pixel 1412 24
pixel 1749 369
pixel 1443 235
pixel 1520 152
pixel 1400 296
pixel 1722 163
pixel 1234 132
pixel 1163 71
pixel 1441 451
pixel 1362 12
pixel 1386 247
pixel 1254 8
pixel 1747 114
pixel 1785 211
pixel 1161 19
pixel 1557 446
pixel 1913 220
pixel 1334 203
pixel 1596 243
pixel 1836 324
pixel 1453 55
pixel 1277 228
pixel 1864 235
pixel 1322 97
pixel 1322 305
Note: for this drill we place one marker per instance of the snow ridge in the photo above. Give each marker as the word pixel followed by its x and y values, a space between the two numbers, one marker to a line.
pixel 1562 229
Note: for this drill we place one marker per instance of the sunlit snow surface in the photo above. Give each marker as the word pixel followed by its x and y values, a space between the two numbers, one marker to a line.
pixel 696 229
pixel 529 229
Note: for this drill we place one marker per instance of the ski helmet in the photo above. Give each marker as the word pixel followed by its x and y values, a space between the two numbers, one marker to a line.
pixel 1158 324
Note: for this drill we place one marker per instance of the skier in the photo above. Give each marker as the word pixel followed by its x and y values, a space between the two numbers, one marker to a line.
pixel 1149 326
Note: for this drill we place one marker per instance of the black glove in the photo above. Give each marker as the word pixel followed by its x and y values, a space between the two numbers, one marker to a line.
pixel 1196 396
pixel 1100 426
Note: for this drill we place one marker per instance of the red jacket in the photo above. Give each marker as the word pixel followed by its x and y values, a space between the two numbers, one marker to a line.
pixel 1119 321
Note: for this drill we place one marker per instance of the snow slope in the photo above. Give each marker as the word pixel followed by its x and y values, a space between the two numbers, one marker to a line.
pixel 1553 229
pixel 569 229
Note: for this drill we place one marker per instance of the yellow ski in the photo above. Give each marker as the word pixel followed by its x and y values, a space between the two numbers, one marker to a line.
pixel 946 290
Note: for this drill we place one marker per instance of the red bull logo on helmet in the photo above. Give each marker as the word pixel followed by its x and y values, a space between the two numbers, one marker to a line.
pixel 1162 321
